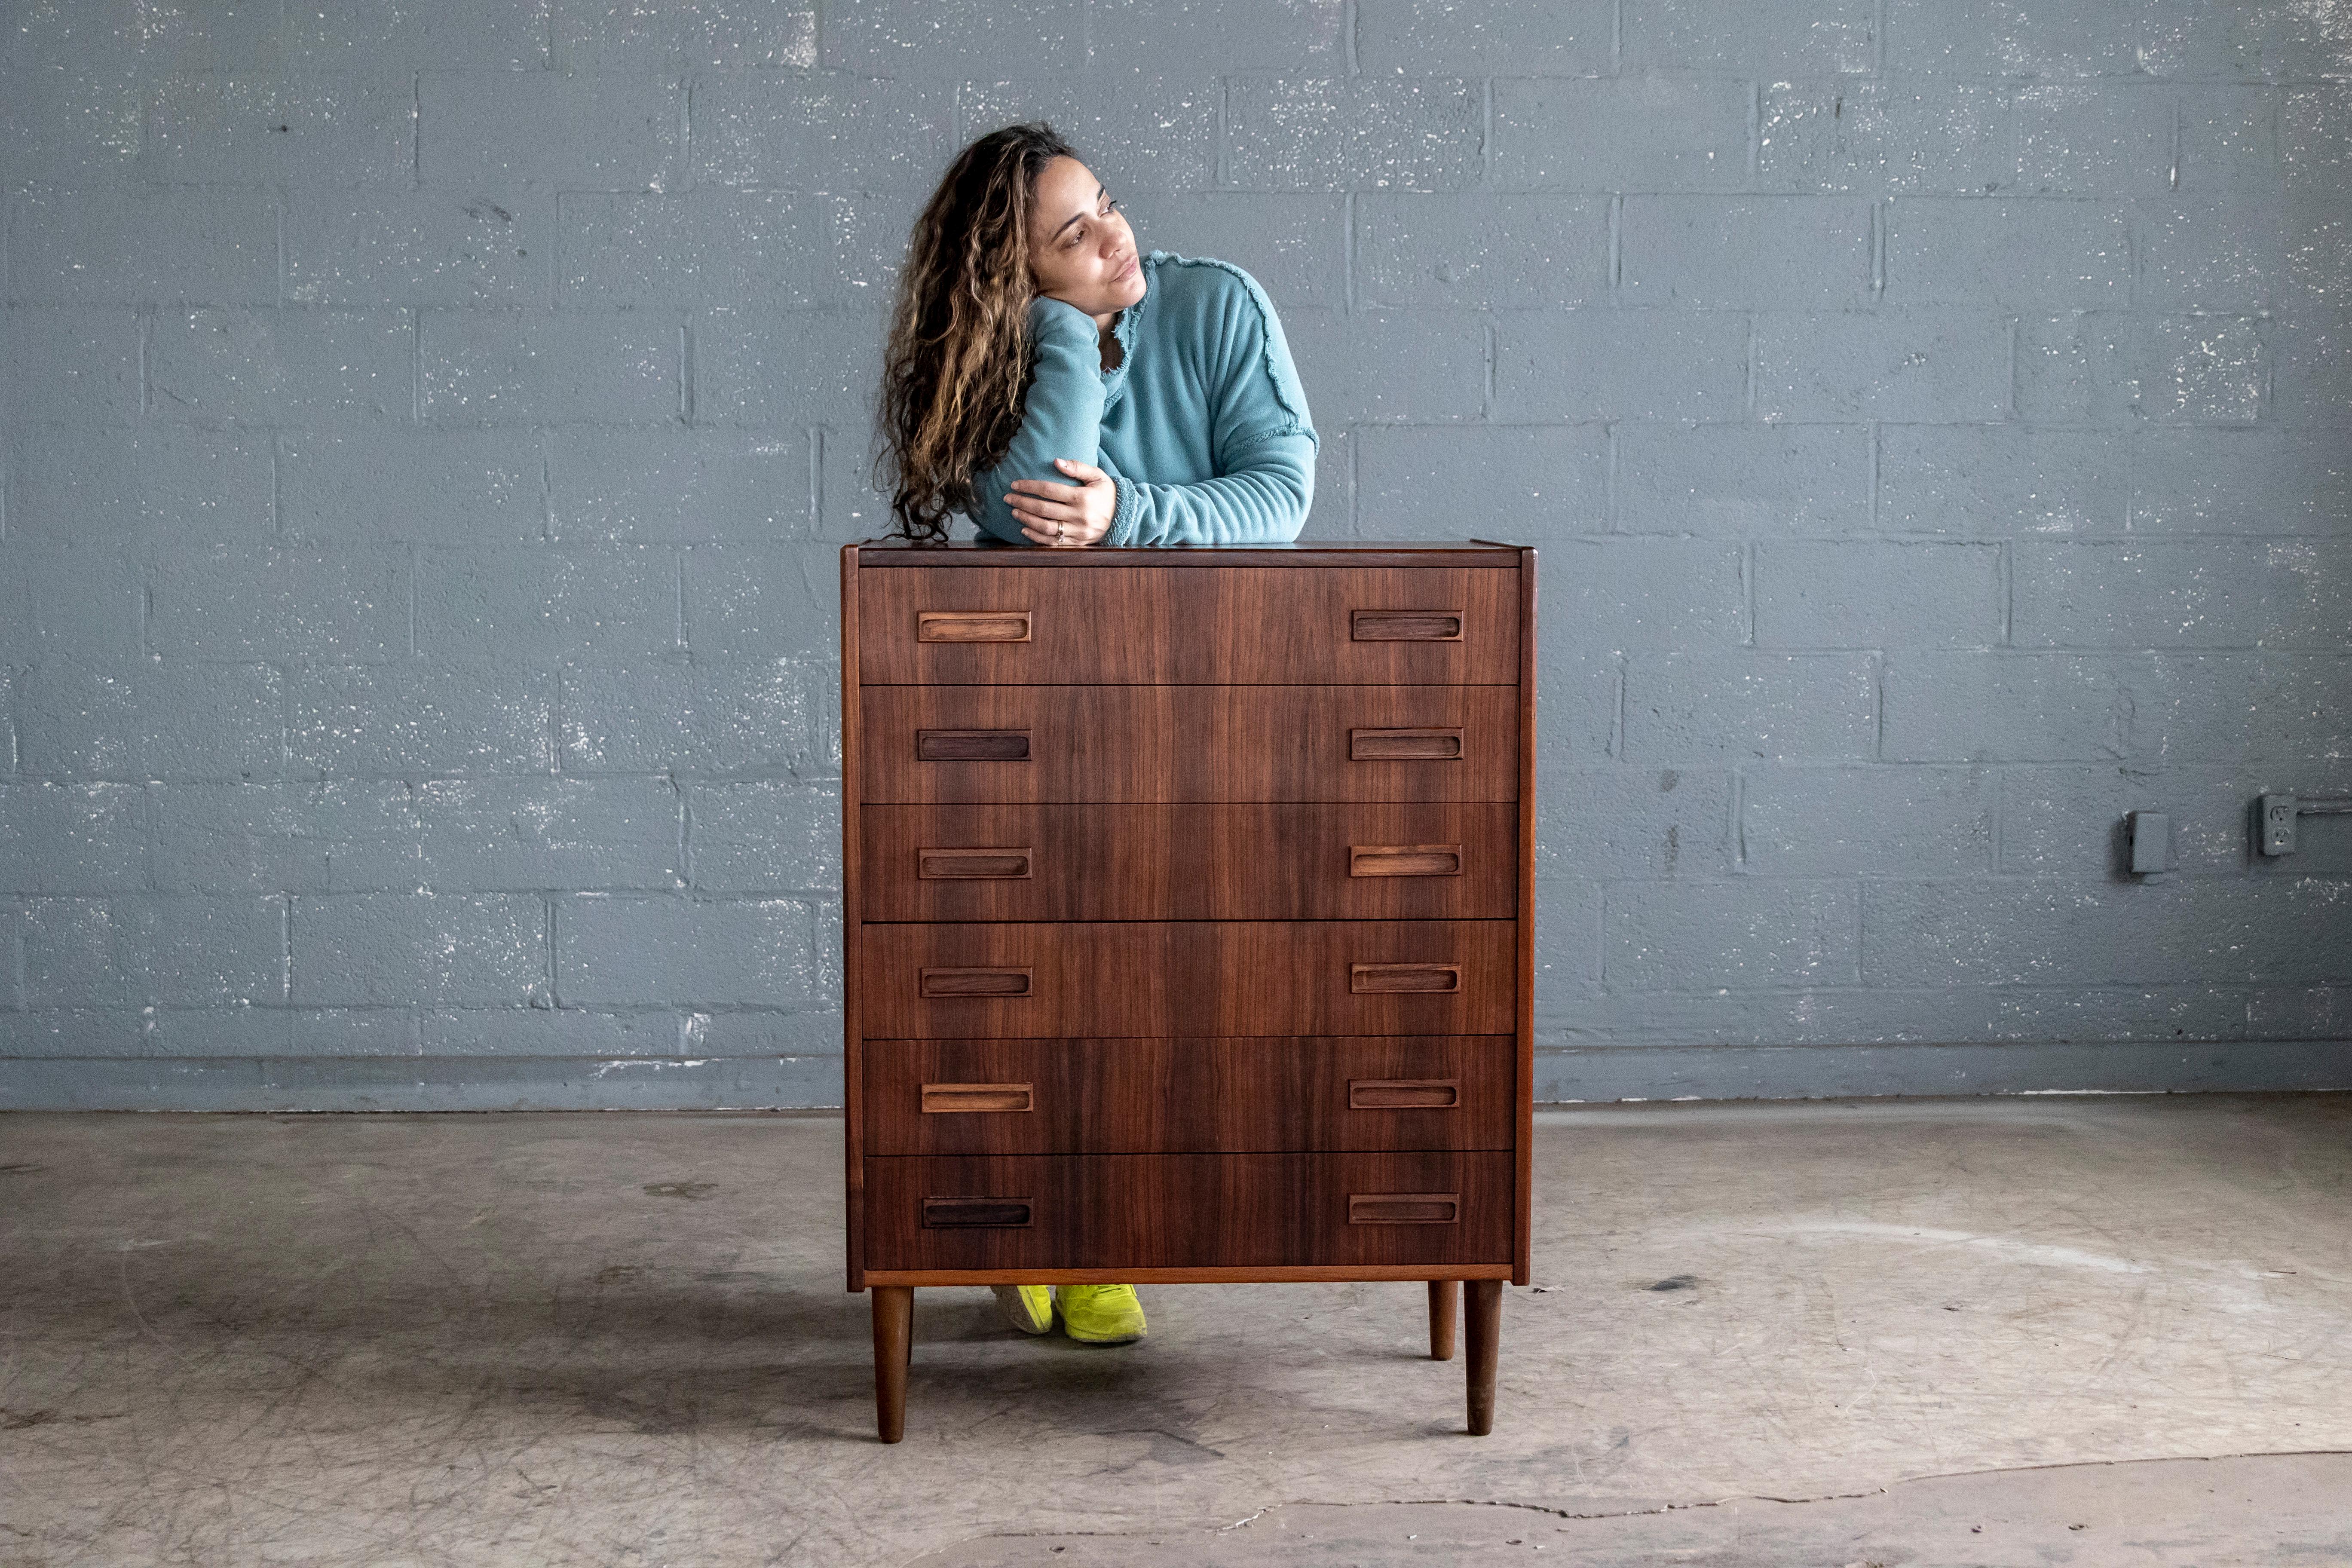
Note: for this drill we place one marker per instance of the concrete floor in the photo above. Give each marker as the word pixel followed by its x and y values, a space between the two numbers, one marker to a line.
pixel 1962 1333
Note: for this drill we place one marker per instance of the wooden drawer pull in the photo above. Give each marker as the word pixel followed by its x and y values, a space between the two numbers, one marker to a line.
pixel 1404 860
pixel 976 1213
pixel 972 745
pixel 1438 745
pixel 1404 1208
pixel 971 625
pixel 974 982
pixel 951 1099
pixel 1396 1093
pixel 1405 625
pixel 1375 978
pixel 971 865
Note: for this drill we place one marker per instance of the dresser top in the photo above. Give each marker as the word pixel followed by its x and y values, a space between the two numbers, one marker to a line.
pixel 1331 553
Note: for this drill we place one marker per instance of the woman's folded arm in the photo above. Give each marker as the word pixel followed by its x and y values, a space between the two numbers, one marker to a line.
pixel 1062 417
pixel 1262 498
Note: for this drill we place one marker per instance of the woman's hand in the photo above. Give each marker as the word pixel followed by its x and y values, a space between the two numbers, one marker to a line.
pixel 1065 514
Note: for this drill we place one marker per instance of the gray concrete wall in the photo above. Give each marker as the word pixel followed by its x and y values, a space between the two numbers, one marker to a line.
pixel 429 424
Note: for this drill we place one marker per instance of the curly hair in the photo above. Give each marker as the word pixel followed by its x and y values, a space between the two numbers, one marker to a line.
pixel 958 361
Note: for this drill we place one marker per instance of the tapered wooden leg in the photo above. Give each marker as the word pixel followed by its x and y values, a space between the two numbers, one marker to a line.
pixel 894 1322
pixel 1444 1299
pixel 1486 1340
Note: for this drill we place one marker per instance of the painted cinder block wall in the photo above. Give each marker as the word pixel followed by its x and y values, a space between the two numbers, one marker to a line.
pixel 429 425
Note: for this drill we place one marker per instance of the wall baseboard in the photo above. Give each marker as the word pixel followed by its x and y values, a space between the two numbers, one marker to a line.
pixel 1563 1076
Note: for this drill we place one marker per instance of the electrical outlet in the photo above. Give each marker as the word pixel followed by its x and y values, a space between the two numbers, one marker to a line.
pixel 2150 833
pixel 2278 823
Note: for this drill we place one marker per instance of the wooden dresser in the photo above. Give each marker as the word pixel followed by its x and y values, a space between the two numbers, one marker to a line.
pixel 1188 907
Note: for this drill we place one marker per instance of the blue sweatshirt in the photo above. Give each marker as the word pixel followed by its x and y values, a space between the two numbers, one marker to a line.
pixel 1202 425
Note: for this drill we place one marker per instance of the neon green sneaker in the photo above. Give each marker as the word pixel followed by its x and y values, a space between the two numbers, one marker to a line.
pixel 1029 1308
pixel 1100 1314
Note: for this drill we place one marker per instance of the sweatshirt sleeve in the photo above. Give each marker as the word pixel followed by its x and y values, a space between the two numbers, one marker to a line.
pixel 1261 441
pixel 1062 418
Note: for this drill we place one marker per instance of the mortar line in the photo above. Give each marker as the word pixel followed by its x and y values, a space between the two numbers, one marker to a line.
pixel 546 488
pixel 286 950
pixel 1611 522
pixel 1755 131
pixel 1740 818
pixel 684 134
pixel 1617 38
pixel 1748 588
pixel 1870 479
pixel 547 936
pixel 1487 411
pixel 1617 722
pixel 416 130
pixel 1616 245
pixel 1349 19
pixel 815 448
pixel 2172 178
pixel 278 486
pixel 1487 132
pixel 1355 482
pixel 686 372
pixel 677 565
pixel 1223 174
pixel 1348 254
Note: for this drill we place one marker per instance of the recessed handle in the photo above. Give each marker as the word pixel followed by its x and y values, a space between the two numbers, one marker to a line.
pixel 1405 625
pixel 952 1099
pixel 953 983
pixel 971 865
pixel 1443 744
pixel 1404 860
pixel 971 625
pixel 1402 1093
pixel 1404 1208
pixel 976 1213
pixel 1378 979
pixel 972 745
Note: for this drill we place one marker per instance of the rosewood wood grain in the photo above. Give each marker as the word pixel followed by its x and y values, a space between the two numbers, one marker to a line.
pixel 1405 625
pixel 1373 860
pixel 1404 1093
pixel 1150 980
pixel 1523 1247
pixel 1185 744
pixel 1485 1314
pixel 1174 1211
pixel 1410 745
pixel 894 1347
pixel 852 914
pixel 972 1100
pixel 1271 1274
pixel 1318 556
pixel 1187 1094
pixel 971 625
pixel 1404 1208
pixel 1240 626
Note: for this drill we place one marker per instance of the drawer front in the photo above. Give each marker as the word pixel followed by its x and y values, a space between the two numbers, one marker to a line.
pixel 1189 626
pixel 1187 1096
pixel 1147 979
pixel 1063 862
pixel 1187 1211
pixel 1189 743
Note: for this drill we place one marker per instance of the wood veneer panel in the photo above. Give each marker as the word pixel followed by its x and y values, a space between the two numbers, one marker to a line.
pixel 1177 1211
pixel 1184 743
pixel 1145 625
pixel 1440 860
pixel 1190 1096
pixel 1151 979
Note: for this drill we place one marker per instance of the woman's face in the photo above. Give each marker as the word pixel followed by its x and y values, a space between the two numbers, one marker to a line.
pixel 1080 249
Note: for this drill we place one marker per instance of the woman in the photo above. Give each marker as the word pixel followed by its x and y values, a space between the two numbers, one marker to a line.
pixel 1058 387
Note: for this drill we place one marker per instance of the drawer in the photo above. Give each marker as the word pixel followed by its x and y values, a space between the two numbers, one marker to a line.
pixel 1066 862
pixel 1186 743
pixel 1190 625
pixel 1189 1096
pixel 1150 979
pixel 1187 1211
